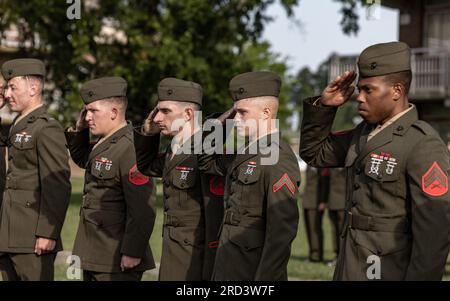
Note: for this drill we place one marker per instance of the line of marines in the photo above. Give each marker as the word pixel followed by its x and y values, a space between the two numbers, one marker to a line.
pixel 229 214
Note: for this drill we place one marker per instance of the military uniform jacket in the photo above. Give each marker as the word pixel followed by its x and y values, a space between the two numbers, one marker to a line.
pixel 397 194
pixel 117 214
pixel 37 190
pixel 193 210
pixel 261 211
pixel 316 188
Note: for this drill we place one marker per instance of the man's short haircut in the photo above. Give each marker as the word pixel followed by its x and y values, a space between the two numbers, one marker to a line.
pixel 121 101
pixel 37 80
pixel 404 78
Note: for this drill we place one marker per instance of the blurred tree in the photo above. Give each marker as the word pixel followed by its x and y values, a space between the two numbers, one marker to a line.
pixel 144 41
pixel 349 21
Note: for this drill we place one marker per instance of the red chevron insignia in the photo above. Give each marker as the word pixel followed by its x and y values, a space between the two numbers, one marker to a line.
pixel 435 181
pixel 217 185
pixel 136 178
pixel 284 180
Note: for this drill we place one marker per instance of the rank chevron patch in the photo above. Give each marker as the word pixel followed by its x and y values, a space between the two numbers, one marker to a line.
pixel 435 181
pixel 136 178
pixel 284 180
pixel 217 186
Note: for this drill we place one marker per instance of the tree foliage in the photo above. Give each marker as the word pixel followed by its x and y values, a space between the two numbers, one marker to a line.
pixel 144 41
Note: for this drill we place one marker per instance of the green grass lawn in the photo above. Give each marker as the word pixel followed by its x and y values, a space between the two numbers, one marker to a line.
pixel 298 267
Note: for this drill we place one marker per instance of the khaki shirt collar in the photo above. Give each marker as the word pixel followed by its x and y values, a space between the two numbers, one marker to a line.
pixel 22 116
pixel 115 130
pixel 380 127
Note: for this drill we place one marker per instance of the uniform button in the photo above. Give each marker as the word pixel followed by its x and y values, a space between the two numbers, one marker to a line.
pixel 186 241
pixel 353 203
pixel 246 180
pixel 8 178
pixel 379 177
pixel 28 204
pixel 182 185
pixel 356 186
pixel 358 170
pixel 10 157
pixel 400 128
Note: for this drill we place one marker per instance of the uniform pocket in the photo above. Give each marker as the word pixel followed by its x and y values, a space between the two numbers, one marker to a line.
pixel 382 178
pixel 381 243
pixel 184 179
pixel 103 218
pixel 247 184
pixel 393 250
pixel 188 236
pixel 247 239
pixel 22 141
pixel 104 172
pixel 100 235
pixel 23 219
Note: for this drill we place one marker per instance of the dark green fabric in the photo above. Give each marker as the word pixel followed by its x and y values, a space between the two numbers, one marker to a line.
pixel 101 88
pixel 254 84
pixel 22 67
pixel 384 58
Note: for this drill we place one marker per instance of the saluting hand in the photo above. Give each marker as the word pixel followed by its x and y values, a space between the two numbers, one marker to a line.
pixel 44 245
pixel 128 262
pixel 82 124
pixel 150 128
pixel 339 90
pixel 227 115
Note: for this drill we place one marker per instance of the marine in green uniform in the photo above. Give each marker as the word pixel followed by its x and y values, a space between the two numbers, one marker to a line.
pixel 397 202
pixel 118 208
pixel 314 202
pixel 261 189
pixel 37 190
pixel 193 202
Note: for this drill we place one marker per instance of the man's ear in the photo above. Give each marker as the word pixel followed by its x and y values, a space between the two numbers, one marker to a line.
pixel 188 114
pixel 114 113
pixel 398 91
pixel 33 89
pixel 266 113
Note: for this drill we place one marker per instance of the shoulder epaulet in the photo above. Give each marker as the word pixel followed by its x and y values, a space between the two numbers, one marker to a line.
pixel 424 127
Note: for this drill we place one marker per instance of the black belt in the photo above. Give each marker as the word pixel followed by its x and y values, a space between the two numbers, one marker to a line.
pixel 235 219
pixel 181 221
pixel 378 224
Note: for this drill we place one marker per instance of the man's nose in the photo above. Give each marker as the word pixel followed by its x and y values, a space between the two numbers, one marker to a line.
pixel 158 117
pixel 360 98
pixel 7 93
